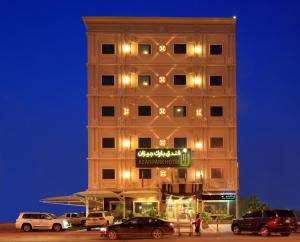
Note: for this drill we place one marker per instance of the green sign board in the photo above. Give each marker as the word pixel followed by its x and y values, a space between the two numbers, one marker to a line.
pixel 163 157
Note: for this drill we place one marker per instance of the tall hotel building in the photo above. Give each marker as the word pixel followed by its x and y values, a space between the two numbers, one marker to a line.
pixel 162 134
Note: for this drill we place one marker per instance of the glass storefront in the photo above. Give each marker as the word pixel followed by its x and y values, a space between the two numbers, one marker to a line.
pixel 146 208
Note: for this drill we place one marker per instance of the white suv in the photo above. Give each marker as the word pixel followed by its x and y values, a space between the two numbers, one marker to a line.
pixel 42 221
pixel 74 218
pixel 98 219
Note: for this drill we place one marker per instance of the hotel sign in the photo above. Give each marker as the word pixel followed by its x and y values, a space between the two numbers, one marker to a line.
pixel 163 157
pixel 218 197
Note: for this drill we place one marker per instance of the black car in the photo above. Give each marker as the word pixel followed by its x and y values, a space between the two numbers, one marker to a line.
pixel 140 227
pixel 265 222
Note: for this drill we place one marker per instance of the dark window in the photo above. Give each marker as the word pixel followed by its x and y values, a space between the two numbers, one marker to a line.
pixel 179 48
pixel 179 111
pixel 180 143
pixel 108 142
pixel 108 80
pixel 144 142
pixel 216 142
pixel 216 49
pixel 26 215
pixel 248 215
pixel 144 80
pixel 35 216
pixel 181 188
pixel 216 173
pixel 108 111
pixel 108 48
pixel 216 111
pixel 95 215
pixel 215 80
pixel 145 173
pixel 144 49
pixel 182 173
pixel 108 174
pixel 179 79
pixel 285 213
pixel 257 214
pixel 270 213
pixel 144 110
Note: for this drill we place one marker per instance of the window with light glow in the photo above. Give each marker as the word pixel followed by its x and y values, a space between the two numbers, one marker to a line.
pixel 179 111
pixel 144 80
pixel 179 48
pixel 144 49
pixel 215 49
pixel 108 80
pixel 108 49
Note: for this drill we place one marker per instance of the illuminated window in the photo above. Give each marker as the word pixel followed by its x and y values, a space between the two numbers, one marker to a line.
pixel 108 174
pixel 215 49
pixel 144 80
pixel 108 80
pixel 216 111
pixel 162 111
pixel 108 49
pixel 199 112
pixel 145 174
pixel 179 79
pixel 162 79
pixel 162 48
pixel 144 143
pixel 216 142
pixel 180 142
pixel 216 173
pixel 215 80
pixel 108 111
pixel 108 142
pixel 179 48
pixel 126 111
pixel 144 49
pixel 144 110
pixel 179 111
pixel 162 142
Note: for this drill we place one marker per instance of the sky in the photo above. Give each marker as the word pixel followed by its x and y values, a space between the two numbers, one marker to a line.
pixel 43 105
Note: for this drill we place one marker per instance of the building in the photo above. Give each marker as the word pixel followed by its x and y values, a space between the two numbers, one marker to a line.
pixel 162 134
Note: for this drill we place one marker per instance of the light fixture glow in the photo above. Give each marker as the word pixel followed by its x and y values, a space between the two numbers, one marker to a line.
pixel 162 111
pixel 163 173
pixel 199 112
pixel 126 111
pixel 162 48
pixel 199 145
pixel 126 143
pixel 197 80
pixel 145 52
pixel 197 50
pixel 198 174
pixel 184 150
pixel 126 48
pixel 162 142
pixel 162 79
pixel 126 174
pixel 126 79
pixel 234 17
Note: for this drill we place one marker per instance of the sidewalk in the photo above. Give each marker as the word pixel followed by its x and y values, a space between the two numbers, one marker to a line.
pixel 212 228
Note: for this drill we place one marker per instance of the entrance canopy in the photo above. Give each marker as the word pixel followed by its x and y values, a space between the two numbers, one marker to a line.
pixel 65 200
pixel 99 194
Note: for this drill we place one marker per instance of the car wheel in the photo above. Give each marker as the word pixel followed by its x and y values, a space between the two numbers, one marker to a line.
pixel 82 223
pixel 26 227
pixel 264 231
pixel 112 235
pixel 157 233
pixel 285 234
pixel 236 229
pixel 57 228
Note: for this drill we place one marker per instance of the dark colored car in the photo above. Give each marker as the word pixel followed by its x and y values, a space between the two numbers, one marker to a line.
pixel 140 227
pixel 265 222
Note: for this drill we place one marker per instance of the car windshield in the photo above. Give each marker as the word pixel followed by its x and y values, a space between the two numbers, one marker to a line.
pixel 52 215
pixel 285 213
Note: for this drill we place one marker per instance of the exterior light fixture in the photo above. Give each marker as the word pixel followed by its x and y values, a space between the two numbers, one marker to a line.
pixel 126 48
pixel 162 48
pixel 162 79
pixel 199 145
pixel 163 173
pixel 184 150
pixel 126 111
pixel 162 111
pixel 126 174
pixel 197 50
pixel 234 17
pixel 199 112
pixel 199 174
pixel 197 81
pixel 162 142
pixel 126 80
pixel 126 143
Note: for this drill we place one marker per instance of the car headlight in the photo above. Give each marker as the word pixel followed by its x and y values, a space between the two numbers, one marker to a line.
pixel 65 222
pixel 102 229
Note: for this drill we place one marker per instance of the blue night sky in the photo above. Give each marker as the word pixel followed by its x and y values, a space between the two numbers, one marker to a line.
pixel 43 118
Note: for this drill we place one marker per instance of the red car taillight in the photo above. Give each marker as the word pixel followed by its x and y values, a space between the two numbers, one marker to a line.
pixel 273 222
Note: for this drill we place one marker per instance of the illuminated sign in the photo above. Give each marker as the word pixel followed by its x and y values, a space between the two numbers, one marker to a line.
pixel 163 157
pixel 218 197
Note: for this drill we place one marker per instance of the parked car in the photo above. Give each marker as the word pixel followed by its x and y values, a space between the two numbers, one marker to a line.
pixel 75 218
pixel 266 221
pixel 98 219
pixel 28 221
pixel 139 227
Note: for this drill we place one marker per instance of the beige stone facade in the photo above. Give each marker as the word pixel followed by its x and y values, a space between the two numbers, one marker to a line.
pixel 184 71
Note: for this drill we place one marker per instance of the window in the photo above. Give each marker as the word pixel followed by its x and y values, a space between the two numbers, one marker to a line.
pixel 216 49
pixel 257 214
pixel 108 111
pixel 108 49
pixel 215 80
pixel 144 143
pixel 108 80
pixel 181 188
pixel 216 173
pixel 180 143
pixel 216 111
pixel 144 80
pixel 108 142
pixel 144 110
pixel 179 111
pixel 179 48
pixel 182 173
pixel 145 173
pixel 108 174
pixel 216 142
pixel 270 213
pixel 179 79
pixel 144 49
